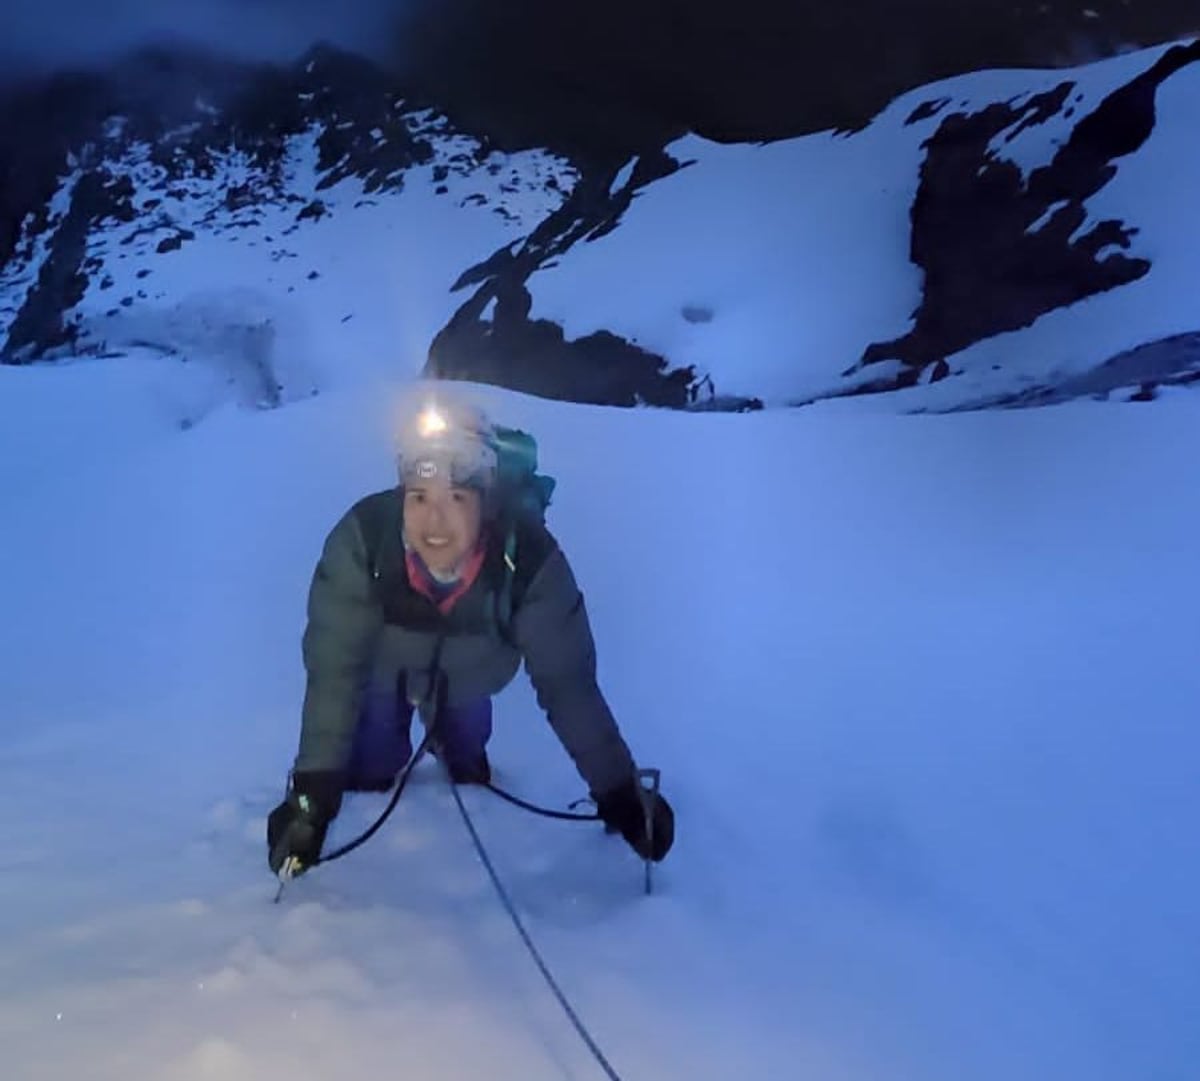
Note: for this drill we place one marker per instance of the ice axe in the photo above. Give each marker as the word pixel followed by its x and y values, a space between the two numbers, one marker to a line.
pixel 649 781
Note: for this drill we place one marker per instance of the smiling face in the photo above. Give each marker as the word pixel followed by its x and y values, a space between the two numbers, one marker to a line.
pixel 442 522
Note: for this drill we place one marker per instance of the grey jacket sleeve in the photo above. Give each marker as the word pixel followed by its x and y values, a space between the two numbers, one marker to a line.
pixel 550 627
pixel 344 618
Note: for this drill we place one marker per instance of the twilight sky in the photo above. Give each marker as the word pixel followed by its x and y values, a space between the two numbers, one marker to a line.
pixel 53 33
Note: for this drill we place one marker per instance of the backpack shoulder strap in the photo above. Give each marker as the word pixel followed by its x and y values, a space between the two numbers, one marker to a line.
pixel 504 595
pixel 527 546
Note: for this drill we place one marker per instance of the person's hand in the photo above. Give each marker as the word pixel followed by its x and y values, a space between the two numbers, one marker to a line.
pixel 622 810
pixel 296 828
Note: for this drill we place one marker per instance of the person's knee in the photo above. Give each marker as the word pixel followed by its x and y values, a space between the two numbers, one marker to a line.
pixel 467 725
pixel 382 743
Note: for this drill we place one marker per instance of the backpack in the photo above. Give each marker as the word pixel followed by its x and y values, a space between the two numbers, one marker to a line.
pixel 523 493
pixel 522 490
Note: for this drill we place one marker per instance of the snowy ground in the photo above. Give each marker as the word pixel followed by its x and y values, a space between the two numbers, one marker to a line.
pixel 923 690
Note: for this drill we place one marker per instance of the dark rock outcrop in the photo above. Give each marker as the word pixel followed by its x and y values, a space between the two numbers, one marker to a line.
pixel 41 323
pixel 987 270
pixel 492 339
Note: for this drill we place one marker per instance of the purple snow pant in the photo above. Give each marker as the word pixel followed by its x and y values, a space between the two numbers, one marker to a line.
pixel 383 743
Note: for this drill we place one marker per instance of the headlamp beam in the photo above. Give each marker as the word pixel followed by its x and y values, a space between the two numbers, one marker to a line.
pixel 431 422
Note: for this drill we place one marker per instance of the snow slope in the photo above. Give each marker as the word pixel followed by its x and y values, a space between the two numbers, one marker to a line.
pixel 923 690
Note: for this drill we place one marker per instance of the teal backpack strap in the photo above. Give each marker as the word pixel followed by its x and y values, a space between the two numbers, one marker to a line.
pixel 504 598
pixel 522 494
pixel 527 546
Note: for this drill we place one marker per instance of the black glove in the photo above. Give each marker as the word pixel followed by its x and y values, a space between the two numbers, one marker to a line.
pixel 622 811
pixel 297 827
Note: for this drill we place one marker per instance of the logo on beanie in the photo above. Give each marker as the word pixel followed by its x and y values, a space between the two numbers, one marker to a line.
pixel 426 469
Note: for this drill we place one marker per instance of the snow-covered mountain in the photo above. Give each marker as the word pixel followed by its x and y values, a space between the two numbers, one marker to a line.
pixel 1002 237
pixel 1010 231
pixel 202 229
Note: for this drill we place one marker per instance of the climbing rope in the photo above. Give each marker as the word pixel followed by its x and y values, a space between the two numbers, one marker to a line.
pixel 502 893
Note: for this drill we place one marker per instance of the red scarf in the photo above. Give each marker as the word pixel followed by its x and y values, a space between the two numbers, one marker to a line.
pixel 425 584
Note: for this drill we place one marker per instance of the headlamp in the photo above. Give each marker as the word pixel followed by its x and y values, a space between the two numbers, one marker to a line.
pixel 444 439
pixel 431 422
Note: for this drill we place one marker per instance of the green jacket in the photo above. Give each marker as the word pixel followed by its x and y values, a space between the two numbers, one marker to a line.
pixel 368 626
